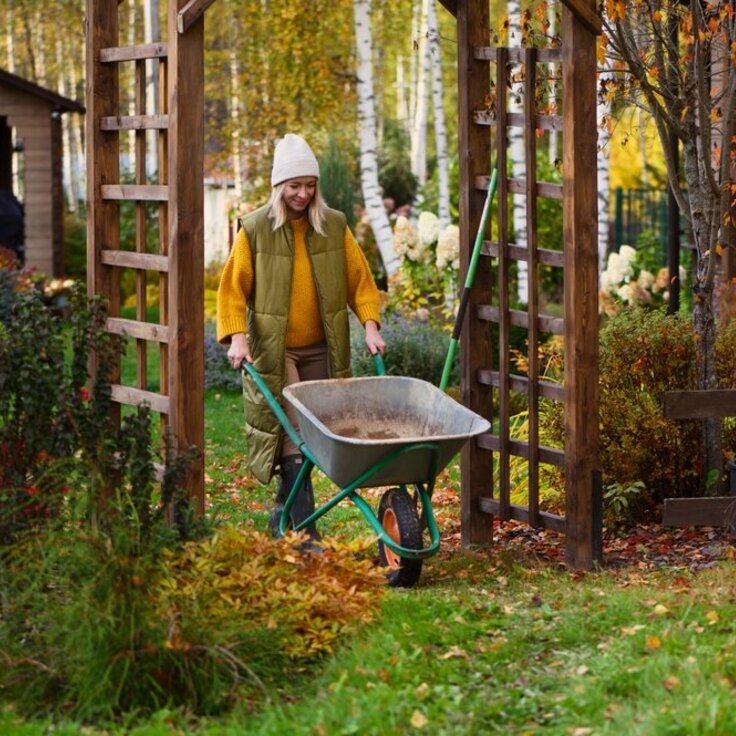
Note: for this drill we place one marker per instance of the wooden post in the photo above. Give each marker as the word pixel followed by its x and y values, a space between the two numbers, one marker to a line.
pixel 103 163
pixel 475 160
pixel 581 283
pixel 186 241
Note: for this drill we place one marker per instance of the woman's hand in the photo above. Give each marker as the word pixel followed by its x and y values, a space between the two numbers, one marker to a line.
pixel 239 350
pixel 373 338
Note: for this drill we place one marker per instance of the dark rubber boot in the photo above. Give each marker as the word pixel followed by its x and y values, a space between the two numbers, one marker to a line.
pixel 303 503
pixel 282 491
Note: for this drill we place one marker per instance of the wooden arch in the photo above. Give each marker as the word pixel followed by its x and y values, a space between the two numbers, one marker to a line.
pixel 179 262
pixel 176 191
pixel 484 373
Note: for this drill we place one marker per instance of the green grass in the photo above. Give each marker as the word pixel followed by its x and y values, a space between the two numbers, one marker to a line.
pixel 488 643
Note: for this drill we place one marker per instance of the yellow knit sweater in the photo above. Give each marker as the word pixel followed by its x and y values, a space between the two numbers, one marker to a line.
pixel 305 324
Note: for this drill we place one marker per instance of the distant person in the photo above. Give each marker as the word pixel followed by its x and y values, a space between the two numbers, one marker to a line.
pixel 12 238
pixel 294 269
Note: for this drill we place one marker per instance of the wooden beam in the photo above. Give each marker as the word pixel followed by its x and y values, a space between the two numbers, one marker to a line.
pixel 580 238
pixel 191 12
pixel 713 511
pixel 519 120
pixel 133 192
pixel 547 389
pixel 185 108
pixel 136 396
pixel 521 513
pixel 586 14
pixel 450 6
pixel 549 455
pixel 135 122
pixel 103 158
pixel 112 54
pixel 705 404
pixel 518 253
pixel 474 151
pixel 140 330
pixel 517 318
pixel 138 261
pixel 548 190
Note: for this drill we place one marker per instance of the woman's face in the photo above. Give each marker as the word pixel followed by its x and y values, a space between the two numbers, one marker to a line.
pixel 298 193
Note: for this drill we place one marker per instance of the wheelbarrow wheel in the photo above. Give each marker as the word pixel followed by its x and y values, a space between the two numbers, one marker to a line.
pixel 397 514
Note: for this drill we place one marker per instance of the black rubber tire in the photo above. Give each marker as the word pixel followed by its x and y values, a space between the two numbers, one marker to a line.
pixel 397 513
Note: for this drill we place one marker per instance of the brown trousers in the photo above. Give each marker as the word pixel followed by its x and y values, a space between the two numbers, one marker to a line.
pixel 302 364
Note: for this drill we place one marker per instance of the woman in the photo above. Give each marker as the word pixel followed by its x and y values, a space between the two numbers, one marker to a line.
pixel 293 271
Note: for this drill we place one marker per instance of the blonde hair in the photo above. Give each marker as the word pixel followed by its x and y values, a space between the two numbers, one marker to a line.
pixel 316 211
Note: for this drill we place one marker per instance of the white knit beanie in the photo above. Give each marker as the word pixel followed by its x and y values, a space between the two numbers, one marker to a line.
pixel 293 158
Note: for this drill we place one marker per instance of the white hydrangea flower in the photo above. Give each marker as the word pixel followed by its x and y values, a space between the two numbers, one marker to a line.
pixel 605 282
pixel 405 238
pixel 645 280
pixel 429 227
pixel 627 253
pixel 619 267
pixel 448 248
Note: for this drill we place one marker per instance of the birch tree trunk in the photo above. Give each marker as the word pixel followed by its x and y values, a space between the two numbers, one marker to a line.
pixel 235 118
pixel 604 167
pixel 367 136
pixel 152 33
pixel 419 123
pixel 67 173
pixel 402 105
pixel 440 130
pixel 518 159
pixel 132 14
pixel 10 37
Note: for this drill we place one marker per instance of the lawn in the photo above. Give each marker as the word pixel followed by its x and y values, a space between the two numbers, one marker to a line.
pixel 500 640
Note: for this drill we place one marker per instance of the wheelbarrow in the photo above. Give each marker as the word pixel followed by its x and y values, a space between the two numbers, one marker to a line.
pixel 373 432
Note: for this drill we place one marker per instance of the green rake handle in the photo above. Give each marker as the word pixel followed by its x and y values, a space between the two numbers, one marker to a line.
pixel 469 279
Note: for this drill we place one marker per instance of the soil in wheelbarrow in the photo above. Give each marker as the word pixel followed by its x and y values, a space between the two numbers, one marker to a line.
pixel 379 427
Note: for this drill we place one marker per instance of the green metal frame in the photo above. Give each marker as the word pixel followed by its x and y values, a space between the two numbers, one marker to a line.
pixel 424 490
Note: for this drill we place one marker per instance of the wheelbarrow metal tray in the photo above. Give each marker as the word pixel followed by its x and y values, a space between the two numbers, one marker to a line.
pixel 352 424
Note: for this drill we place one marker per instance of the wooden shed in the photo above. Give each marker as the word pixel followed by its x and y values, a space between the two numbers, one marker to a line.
pixel 30 125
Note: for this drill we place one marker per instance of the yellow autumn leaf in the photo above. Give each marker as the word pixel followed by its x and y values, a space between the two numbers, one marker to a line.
pixel 631 630
pixel 454 652
pixel 712 617
pixel 418 719
pixel 661 610
pixel 422 691
pixel 653 642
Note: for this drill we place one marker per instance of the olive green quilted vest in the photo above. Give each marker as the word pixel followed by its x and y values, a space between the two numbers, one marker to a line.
pixel 268 313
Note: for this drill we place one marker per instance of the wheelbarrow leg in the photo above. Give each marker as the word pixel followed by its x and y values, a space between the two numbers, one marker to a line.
pixel 303 503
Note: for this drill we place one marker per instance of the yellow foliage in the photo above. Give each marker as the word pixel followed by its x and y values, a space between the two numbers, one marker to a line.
pixel 241 583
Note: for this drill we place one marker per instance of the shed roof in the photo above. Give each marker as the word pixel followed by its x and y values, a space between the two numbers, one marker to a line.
pixel 57 102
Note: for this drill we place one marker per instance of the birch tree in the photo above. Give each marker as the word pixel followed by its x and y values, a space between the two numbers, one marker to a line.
pixel 367 136
pixel 421 114
pixel 151 33
pixel 438 111
pixel 517 154
pixel 605 121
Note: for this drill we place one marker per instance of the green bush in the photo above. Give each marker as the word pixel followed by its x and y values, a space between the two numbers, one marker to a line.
pixel 414 348
pixel 643 353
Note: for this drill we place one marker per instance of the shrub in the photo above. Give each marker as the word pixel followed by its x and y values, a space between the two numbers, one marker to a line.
pixel 414 347
pixel 643 353
pixel 218 373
